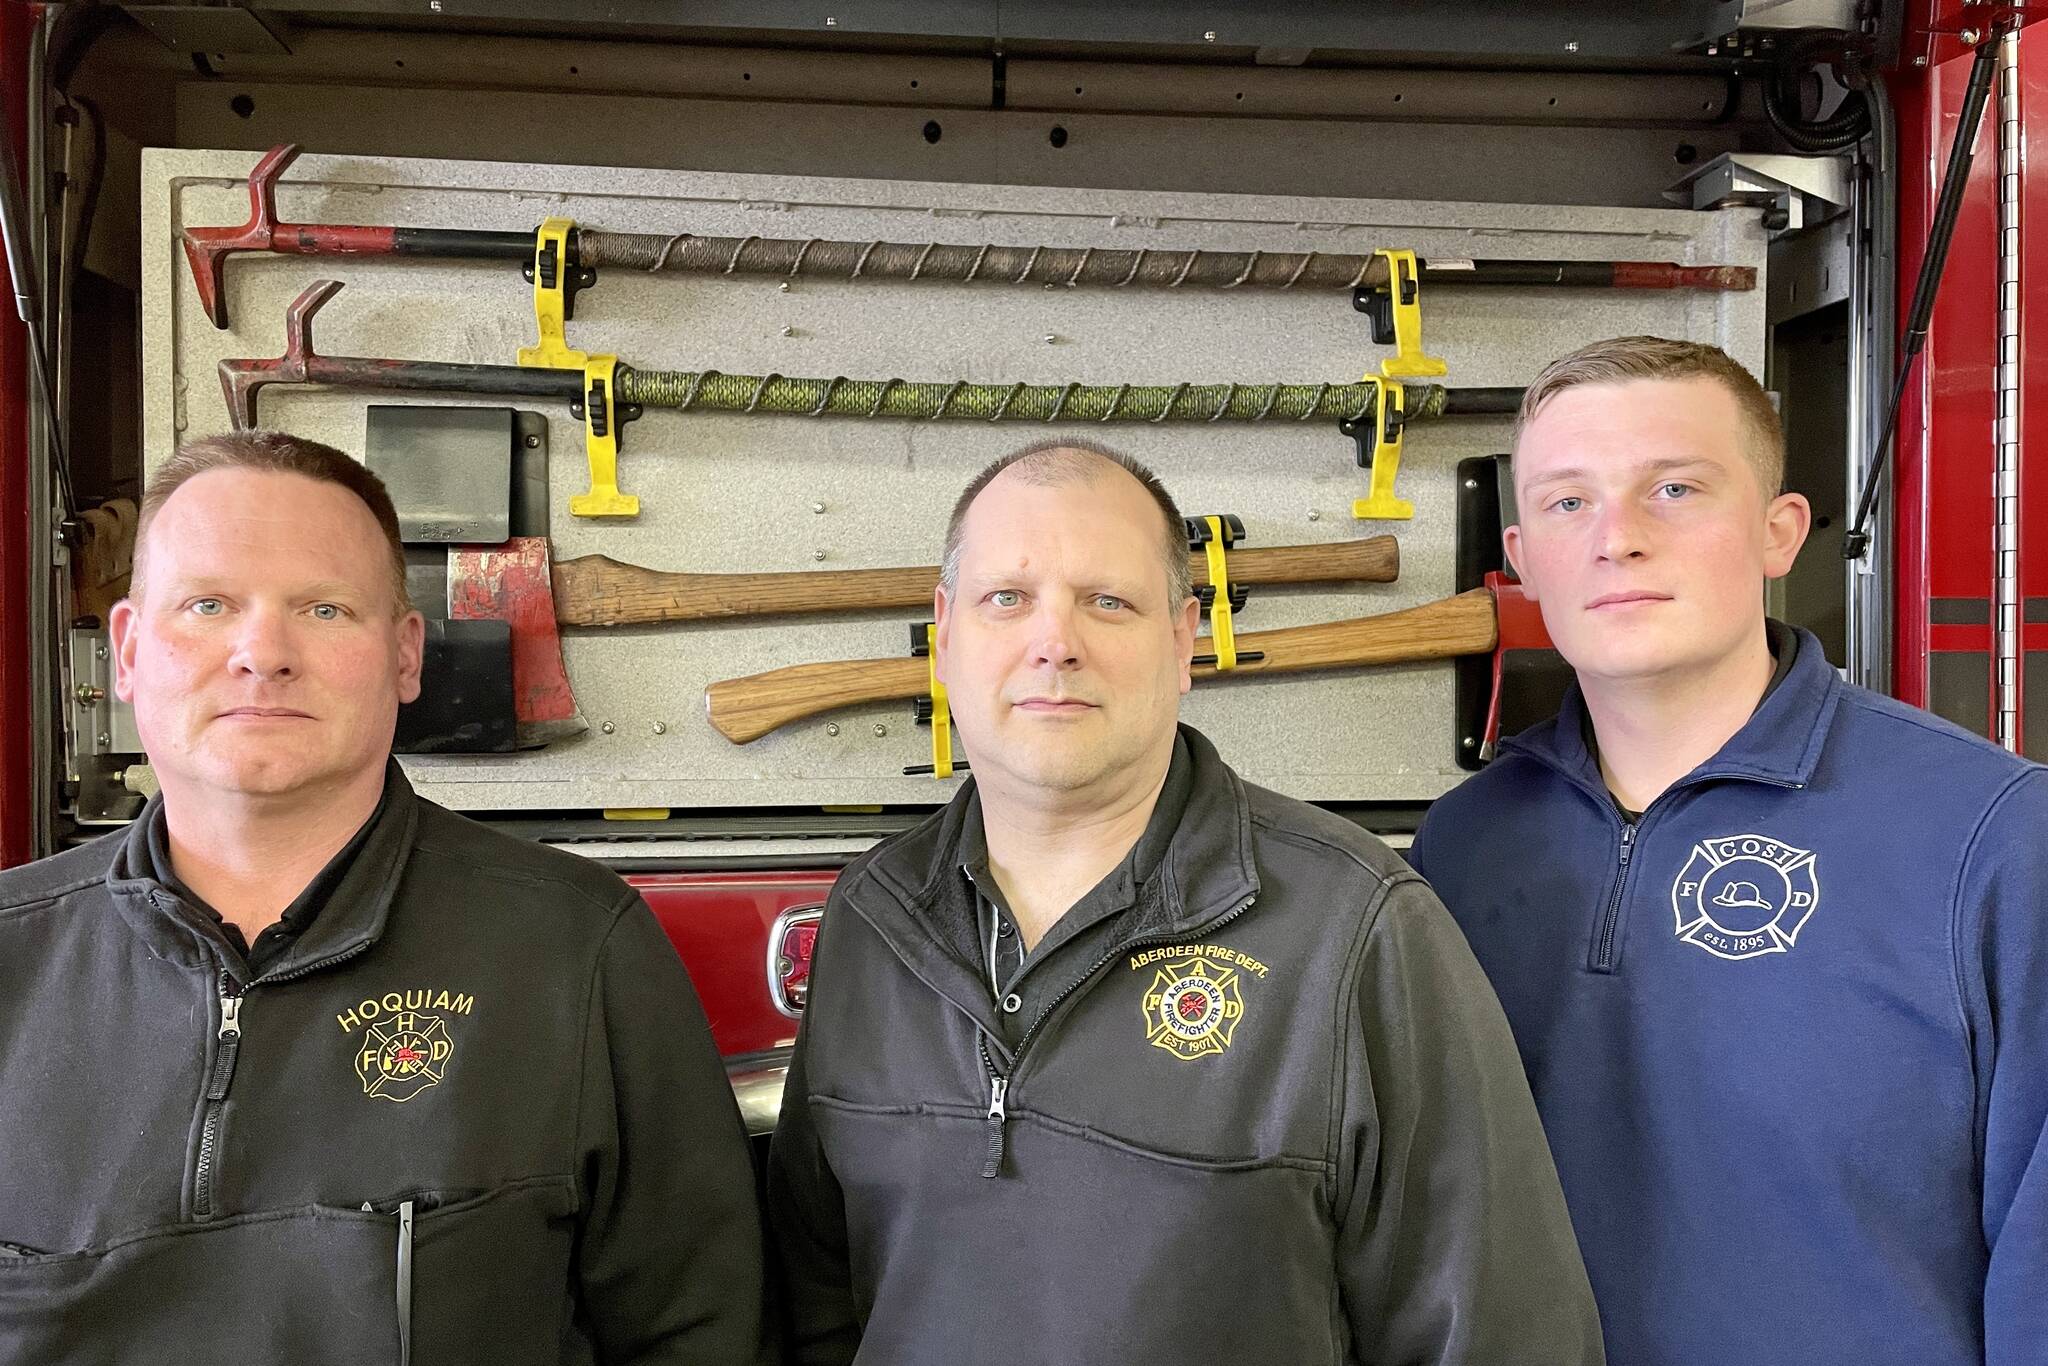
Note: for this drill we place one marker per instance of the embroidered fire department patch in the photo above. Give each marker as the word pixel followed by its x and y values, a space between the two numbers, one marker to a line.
pixel 1744 895
pixel 1192 1009
pixel 403 1056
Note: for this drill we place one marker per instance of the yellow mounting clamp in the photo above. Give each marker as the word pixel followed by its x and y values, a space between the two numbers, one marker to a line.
pixel 1379 449
pixel 601 418
pixel 1222 626
pixel 1404 302
pixel 550 299
pixel 942 717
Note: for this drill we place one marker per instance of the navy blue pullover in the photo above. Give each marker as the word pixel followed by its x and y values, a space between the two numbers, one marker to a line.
pixel 1788 1033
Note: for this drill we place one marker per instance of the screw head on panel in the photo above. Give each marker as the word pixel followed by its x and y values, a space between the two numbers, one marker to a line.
pixel 880 730
pixel 607 728
pixel 832 728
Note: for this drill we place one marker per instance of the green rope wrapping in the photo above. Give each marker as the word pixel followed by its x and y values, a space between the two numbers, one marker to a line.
pixel 714 391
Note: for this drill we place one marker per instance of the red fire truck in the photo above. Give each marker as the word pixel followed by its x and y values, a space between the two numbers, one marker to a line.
pixel 1804 139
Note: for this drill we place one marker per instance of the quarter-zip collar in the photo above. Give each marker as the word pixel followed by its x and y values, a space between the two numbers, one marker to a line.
pixel 1780 745
pixel 352 918
pixel 1119 888
pixel 1201 871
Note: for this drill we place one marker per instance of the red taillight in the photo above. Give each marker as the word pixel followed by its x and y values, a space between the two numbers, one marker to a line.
pixel 789 958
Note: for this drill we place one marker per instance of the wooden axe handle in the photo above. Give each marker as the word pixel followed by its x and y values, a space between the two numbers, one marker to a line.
pixel 595 590
pixel 744 709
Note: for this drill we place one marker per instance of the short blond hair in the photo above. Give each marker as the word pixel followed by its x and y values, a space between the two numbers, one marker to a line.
pixel 1620 359
pixel 272 453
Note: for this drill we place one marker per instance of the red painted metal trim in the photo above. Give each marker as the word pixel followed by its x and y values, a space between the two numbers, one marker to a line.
pixel 18 786
pixel 719 923
pixel 2033 245
pixel 1945 457
pixel 1932 28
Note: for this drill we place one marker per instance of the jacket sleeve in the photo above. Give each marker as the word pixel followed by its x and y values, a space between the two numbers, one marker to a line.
pixel 807 1220
pixel 1453 1239
pixel 669 1255
pixel 2002 945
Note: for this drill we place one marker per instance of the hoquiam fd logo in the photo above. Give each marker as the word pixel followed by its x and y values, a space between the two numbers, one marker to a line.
pixel 1744 895
pixel 1192 1009
pixel 403 1056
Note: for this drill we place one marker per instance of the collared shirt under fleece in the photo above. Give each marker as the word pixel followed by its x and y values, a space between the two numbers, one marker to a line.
pixel 1788 1032
pixel 471 1112
pixel 1275 1116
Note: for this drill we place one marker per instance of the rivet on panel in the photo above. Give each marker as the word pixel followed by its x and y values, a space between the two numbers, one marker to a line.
pixel 607 728
pixel 817 554
pixel 661 727
pixel 880 730
pixel 832 728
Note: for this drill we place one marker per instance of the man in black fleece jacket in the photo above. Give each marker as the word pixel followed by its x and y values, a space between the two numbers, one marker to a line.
pixel 1118 1058
pixel 301 1067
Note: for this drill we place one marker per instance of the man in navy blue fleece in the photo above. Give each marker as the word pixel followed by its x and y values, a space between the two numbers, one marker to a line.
pixel 1774 948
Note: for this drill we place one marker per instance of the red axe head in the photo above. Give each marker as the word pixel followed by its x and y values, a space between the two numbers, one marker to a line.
pixel 1520 627
pixel 513 583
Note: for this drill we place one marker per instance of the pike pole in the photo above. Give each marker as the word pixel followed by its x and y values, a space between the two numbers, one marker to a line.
pixel 586 250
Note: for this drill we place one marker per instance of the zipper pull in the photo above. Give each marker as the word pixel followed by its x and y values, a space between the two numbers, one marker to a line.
pixel 998 1089
pixel 1628 842
pixel 404 1286
pixel 230 1043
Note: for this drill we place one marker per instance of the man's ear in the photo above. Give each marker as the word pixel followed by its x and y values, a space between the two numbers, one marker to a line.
pixel 412 633
pixel 1184 627
pixel 1786 523
pixel 121 624
pixel 1511 542
pixel 942 617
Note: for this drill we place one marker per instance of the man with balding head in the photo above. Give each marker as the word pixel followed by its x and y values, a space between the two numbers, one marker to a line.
pixel 1118 1058
pixel 303 1068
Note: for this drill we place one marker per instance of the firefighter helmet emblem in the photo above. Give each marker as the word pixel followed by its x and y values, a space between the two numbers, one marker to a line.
pixel 1744 895
pixel 1192 1009
pixel 403 1056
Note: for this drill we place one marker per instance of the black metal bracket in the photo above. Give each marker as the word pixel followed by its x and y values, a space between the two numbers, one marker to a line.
pixel 579 278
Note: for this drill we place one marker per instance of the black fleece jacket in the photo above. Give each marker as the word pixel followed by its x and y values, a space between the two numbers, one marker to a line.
pixel 1278 1117
pixel 472 1114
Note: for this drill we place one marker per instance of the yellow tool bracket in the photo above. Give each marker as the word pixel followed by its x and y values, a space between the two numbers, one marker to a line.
pixel 1222 624
pixel 942 717
pixel 1380 449
pixel 552 351
pixel 550 299
pixel 601 444
pixel 1404 297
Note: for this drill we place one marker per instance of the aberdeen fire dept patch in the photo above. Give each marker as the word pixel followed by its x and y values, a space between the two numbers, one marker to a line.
pixel 1745 895
pixel 404 1055
pixel 1192 1009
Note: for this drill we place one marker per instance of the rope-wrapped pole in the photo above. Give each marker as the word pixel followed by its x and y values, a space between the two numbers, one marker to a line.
pixel 717 392
pixel 1106 267
pixel 714 391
